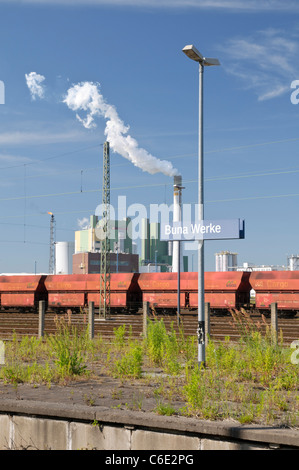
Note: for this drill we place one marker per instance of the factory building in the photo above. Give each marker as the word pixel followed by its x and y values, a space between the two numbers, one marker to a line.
pixel 90 263
pixel 86 240
pixel 87 256
pixel 156 254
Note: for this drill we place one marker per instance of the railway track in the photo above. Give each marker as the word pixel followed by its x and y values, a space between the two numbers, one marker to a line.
pixel 220 326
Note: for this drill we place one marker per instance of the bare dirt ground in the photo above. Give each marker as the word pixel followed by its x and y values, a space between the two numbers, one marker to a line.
pixel 100 390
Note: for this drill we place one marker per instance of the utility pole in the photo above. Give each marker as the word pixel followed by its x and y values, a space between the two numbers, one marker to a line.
pixel 104 307
pixel 52 244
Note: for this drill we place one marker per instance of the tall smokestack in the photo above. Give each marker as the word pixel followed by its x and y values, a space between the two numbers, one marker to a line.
pixel 177 215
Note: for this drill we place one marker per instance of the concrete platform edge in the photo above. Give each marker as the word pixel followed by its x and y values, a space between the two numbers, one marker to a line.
pixel 223 430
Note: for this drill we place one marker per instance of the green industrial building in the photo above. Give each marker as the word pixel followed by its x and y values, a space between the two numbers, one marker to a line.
pixel 87 240
pixel 156 254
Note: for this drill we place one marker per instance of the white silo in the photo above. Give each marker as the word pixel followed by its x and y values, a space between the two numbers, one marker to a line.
pixel 294 262
pixel 234 264
pixel 64 257
pixel 226 261
pixel 218 262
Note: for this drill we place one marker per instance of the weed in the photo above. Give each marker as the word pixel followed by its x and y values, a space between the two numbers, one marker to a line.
pixel 195 389
pixel 165 409
pixel 155 341
pixel 17 373
pixel 89 399
pixel 246 417
pixel 119 336
pixel 67 347
pixel 116 394
pixel 171 360
pixel 130 364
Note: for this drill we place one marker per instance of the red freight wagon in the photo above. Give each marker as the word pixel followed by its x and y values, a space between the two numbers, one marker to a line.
pixel 281 287
pixel 22 292
pixel 66 291
pixel 77 290
pixel 223 290
pixel 161 291
pixel 125 294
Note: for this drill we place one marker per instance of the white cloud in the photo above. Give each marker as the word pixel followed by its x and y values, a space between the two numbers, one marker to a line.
pixel 34 82
pixel 280 90
pixel 266 62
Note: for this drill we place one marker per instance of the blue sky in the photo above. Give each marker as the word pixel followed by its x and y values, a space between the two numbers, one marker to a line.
pixel 50 162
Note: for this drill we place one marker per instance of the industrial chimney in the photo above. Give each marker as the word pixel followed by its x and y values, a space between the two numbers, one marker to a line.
pixel 177 216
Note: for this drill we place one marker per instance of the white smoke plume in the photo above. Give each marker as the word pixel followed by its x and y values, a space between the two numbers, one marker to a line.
pixel 85 96
pixel 34 81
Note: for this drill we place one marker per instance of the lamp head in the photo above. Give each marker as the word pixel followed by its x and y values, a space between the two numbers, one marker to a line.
pixel 194 54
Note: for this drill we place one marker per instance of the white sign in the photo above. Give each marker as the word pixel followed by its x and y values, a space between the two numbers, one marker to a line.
pixel 204 230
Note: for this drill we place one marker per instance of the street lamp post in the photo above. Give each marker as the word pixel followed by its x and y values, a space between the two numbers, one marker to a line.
pixel 195 55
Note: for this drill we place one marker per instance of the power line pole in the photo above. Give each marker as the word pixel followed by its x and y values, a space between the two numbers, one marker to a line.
pixel 104 307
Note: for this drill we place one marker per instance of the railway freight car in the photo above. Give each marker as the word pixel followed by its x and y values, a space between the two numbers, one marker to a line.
pixel 22 292
pixel 161 291
pixel 66 291
pixel 281 287
pixel 75 291
pixel 223 290
pixel 125 295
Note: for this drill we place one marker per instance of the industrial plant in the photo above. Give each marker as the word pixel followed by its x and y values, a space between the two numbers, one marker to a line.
pixel 93 253
pixel 89 252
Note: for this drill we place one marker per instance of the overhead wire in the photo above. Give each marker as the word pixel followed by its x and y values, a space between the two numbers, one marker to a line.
pixel 152 185
pixel 207 179
pixel 193 154
pixel 41 160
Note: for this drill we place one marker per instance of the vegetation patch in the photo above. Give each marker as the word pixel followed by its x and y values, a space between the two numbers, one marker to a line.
pixel 251 381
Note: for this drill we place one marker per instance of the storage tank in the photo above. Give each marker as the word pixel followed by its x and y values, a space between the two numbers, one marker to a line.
pixel 226 261
pixel 234 260
pixel 218 262
pixel 64 257
pixel 294 263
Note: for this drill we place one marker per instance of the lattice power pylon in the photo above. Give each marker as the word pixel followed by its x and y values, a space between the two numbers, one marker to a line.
pixel 104 307
pixel 52 244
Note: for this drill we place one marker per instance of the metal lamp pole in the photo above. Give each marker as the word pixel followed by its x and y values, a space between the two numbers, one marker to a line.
pixel 194 54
